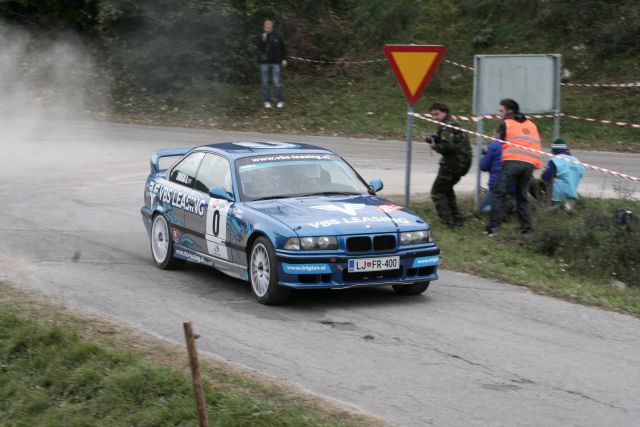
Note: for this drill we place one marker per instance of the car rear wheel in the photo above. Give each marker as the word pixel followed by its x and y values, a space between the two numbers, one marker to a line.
pixel 162 245
pixel 263 274
pixel 412 289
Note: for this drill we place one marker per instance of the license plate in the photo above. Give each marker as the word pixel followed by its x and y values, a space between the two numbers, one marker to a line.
pixel 374 264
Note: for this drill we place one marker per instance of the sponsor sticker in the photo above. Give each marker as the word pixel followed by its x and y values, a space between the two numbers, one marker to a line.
pixel 306 268
pixel 426 261
pixel 357 220
pixel 178 199
pixel 286 157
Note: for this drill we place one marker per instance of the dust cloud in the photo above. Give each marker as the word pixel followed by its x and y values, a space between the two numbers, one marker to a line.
pixel 48 84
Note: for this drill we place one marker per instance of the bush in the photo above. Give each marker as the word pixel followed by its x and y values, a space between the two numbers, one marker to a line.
pixel 589 242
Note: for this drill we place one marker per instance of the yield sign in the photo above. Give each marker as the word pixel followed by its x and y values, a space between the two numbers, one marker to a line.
pixel 414 65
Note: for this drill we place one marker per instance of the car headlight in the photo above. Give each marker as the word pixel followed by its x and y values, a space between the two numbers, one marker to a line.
pixel 415 237
pixel 320 243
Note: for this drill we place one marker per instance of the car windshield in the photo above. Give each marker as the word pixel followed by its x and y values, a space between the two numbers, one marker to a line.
pixel 296 175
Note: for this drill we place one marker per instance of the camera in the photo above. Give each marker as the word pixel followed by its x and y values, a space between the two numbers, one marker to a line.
pixel 431 139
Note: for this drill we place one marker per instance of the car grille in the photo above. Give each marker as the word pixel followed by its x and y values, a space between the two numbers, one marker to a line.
pixel 359 244
pixel 383 242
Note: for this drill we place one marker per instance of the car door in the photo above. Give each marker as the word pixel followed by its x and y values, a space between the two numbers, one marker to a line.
pixel 210 229
pixel 181 180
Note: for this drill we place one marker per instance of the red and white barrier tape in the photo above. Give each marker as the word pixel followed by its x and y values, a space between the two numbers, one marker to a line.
pixel 618 85
pixel 544 153
pixel 602 85
pixel 466 67
pixel 314 61
pixel 548 116
pixel 608 122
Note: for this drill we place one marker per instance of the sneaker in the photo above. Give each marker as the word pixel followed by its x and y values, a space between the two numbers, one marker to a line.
pixel 267 105
pixel 280 104
pixel 491 232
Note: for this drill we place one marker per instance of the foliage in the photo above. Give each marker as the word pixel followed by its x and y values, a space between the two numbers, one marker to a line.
pixel 609 27
pixel 75 15
pixel 593 245
pixel 576 256
pixel 165 45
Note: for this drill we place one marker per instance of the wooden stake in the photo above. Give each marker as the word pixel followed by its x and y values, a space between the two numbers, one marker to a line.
pixel 203 420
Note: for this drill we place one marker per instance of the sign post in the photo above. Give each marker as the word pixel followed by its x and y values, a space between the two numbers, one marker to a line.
pixel 413 66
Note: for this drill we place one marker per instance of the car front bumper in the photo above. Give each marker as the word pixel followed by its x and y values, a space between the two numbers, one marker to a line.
pixel 308 271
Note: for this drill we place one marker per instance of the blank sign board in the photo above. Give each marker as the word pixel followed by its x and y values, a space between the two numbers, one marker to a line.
pixel 532 80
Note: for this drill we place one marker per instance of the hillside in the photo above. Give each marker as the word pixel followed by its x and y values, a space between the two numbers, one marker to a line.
pixel 193 63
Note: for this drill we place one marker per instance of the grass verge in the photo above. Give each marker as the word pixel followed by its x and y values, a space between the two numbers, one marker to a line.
pixel 516 259
pixel 59 368
pixel 368 102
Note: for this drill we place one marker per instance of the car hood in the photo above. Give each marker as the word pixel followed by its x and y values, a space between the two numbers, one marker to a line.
pixel 312 216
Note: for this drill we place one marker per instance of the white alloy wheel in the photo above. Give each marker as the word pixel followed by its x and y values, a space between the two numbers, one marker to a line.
pixel 263 273
pixel 160 239
pixel 260 270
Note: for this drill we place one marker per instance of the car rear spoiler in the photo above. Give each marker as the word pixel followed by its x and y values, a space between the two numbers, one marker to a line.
pixel 169 152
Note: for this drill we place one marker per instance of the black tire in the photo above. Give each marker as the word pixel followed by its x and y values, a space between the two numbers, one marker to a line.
pixel 162 253
pixel 263 274
pixel 412 289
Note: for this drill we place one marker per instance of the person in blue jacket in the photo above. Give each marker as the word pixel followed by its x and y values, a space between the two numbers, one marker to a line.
pixel 491 162
pixel 563 177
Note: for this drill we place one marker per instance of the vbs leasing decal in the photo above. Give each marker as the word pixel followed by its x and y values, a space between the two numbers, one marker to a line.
pixel 178 199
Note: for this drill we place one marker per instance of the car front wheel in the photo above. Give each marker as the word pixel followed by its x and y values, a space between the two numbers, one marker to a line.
pixel 412 289
pixel 263 274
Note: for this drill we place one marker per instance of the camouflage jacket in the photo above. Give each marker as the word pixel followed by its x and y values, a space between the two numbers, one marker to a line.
pixel 454 147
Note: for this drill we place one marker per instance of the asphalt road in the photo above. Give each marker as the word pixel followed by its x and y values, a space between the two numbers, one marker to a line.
pixel 468 352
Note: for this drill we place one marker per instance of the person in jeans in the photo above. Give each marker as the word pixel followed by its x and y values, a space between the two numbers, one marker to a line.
pixel 518 164
pixel 272 55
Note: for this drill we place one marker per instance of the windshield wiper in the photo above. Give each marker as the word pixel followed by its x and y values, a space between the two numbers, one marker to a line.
pixel 270 198
pixel 331 193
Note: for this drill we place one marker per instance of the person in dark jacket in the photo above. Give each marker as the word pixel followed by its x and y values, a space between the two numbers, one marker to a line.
pixel 272 54
pixel 455 163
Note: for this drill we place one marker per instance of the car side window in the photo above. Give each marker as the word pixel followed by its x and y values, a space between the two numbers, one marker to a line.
pixel 185 171
pixel 215 171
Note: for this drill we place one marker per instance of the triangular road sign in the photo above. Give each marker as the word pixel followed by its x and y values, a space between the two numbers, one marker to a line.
pixel 414 65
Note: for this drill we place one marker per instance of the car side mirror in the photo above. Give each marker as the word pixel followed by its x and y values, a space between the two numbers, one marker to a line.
pixel 220 193
pixel 376 185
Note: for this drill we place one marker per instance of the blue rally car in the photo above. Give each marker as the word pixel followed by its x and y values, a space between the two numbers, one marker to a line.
pixel 283 216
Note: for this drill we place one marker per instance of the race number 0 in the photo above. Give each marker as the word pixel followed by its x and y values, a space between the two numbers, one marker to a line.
pixel 216 233
pixel 216 222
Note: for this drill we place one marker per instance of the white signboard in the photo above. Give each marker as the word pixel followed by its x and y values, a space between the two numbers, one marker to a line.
pixel 532 80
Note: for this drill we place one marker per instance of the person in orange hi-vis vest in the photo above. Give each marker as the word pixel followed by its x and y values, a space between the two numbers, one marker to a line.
pixel 518 164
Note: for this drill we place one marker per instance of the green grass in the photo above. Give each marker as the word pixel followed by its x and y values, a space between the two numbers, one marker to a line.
pixel 58 370
pixel 515 259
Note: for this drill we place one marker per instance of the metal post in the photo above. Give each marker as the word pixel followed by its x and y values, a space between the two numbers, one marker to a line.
pixel 479 129
pixel 477 64
pixel 556 119
pixel 407 177
pixel 203 420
